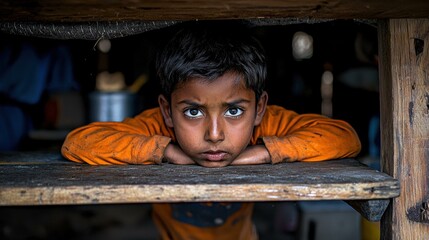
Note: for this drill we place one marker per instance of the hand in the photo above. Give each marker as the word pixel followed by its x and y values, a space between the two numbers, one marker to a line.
pixel 256 154
pixel 173 154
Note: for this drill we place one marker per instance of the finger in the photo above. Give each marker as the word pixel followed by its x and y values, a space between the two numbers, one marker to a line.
pixel 247 161
pixel 181 161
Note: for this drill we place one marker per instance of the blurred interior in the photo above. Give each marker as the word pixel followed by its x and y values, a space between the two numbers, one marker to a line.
pixel 329 68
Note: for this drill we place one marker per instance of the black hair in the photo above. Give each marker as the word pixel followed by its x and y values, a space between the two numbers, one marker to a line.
pixel 209 49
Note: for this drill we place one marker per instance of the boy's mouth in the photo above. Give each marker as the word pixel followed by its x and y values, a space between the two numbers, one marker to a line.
pixel 214 155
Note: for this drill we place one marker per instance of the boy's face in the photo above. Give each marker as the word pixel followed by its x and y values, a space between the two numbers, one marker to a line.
pixel 213 121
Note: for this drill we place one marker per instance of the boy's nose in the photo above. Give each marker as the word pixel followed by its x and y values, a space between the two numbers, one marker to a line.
pixel 214 132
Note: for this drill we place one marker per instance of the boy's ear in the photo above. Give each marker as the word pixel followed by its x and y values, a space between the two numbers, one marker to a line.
pixel 261 105
pixel 164 105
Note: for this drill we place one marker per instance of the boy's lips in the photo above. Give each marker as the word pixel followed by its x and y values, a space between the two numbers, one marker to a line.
pixel 214 155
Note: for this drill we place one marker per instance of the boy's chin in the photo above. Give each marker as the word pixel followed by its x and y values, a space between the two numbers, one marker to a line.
pixel 213 164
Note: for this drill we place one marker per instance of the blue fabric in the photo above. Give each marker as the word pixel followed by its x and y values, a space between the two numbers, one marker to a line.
pixel 14 125
pixel 204 214
pixel 25 74
pixel 374 136
pixel 24 77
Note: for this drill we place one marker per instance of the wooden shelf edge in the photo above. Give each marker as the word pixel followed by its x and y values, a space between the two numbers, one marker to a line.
pixel 186 193
pixel 40 178
pixel 372 210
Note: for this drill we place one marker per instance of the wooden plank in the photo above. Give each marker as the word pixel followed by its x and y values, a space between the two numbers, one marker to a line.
pixel 119 10
pixel 28 180
pixel 372 210
pixel 404 95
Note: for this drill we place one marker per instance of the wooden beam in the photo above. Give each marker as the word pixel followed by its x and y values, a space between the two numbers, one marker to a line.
pixel 120 10
pixel 372 210
pixel 32 179
pixel 404 96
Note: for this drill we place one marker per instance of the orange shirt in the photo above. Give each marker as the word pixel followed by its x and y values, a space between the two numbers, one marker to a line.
pixel 205 221
pixel 288 136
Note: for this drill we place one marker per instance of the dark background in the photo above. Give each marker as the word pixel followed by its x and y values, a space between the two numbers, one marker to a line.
pixel 291 83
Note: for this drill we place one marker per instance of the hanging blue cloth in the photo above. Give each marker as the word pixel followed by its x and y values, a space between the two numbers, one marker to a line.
pixel 25 74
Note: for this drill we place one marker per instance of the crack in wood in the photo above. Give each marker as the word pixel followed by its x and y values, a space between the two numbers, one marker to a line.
pixel 411 112
pixel 427 103
pixel 419 45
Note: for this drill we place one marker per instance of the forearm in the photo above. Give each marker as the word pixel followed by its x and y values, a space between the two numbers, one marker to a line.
pixel 256 154
pixel 330 140
pixel 113 143
pixel 173 154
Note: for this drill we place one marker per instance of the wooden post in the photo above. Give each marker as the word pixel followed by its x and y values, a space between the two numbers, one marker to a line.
pixel 404 97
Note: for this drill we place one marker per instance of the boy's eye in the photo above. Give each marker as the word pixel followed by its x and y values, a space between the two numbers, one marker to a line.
pixel 193 113
pixel 233 112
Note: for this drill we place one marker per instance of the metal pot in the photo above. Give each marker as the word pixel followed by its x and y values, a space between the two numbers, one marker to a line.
pixel 111 106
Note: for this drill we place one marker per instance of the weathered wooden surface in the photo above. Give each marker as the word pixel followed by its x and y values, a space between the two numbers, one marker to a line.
pixel 404 62
pixel 372 210
pixel 43 179
pixel 118 10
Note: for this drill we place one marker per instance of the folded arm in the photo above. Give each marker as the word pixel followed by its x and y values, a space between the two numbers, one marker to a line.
pixel 291 137
pixel 133 141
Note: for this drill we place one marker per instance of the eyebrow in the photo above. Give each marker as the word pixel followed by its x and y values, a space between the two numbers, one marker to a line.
pixel 232 103
pixel 237 102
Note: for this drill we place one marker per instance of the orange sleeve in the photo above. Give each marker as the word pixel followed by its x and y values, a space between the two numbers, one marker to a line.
pixel 289 136
pixel 138 140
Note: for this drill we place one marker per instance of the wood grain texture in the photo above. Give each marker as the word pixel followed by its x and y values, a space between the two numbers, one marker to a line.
pixel 48 179
pixel 404 61
pixel 372 210
pixel 118 10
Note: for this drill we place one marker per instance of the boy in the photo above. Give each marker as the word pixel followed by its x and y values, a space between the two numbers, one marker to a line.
pixel 213 112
